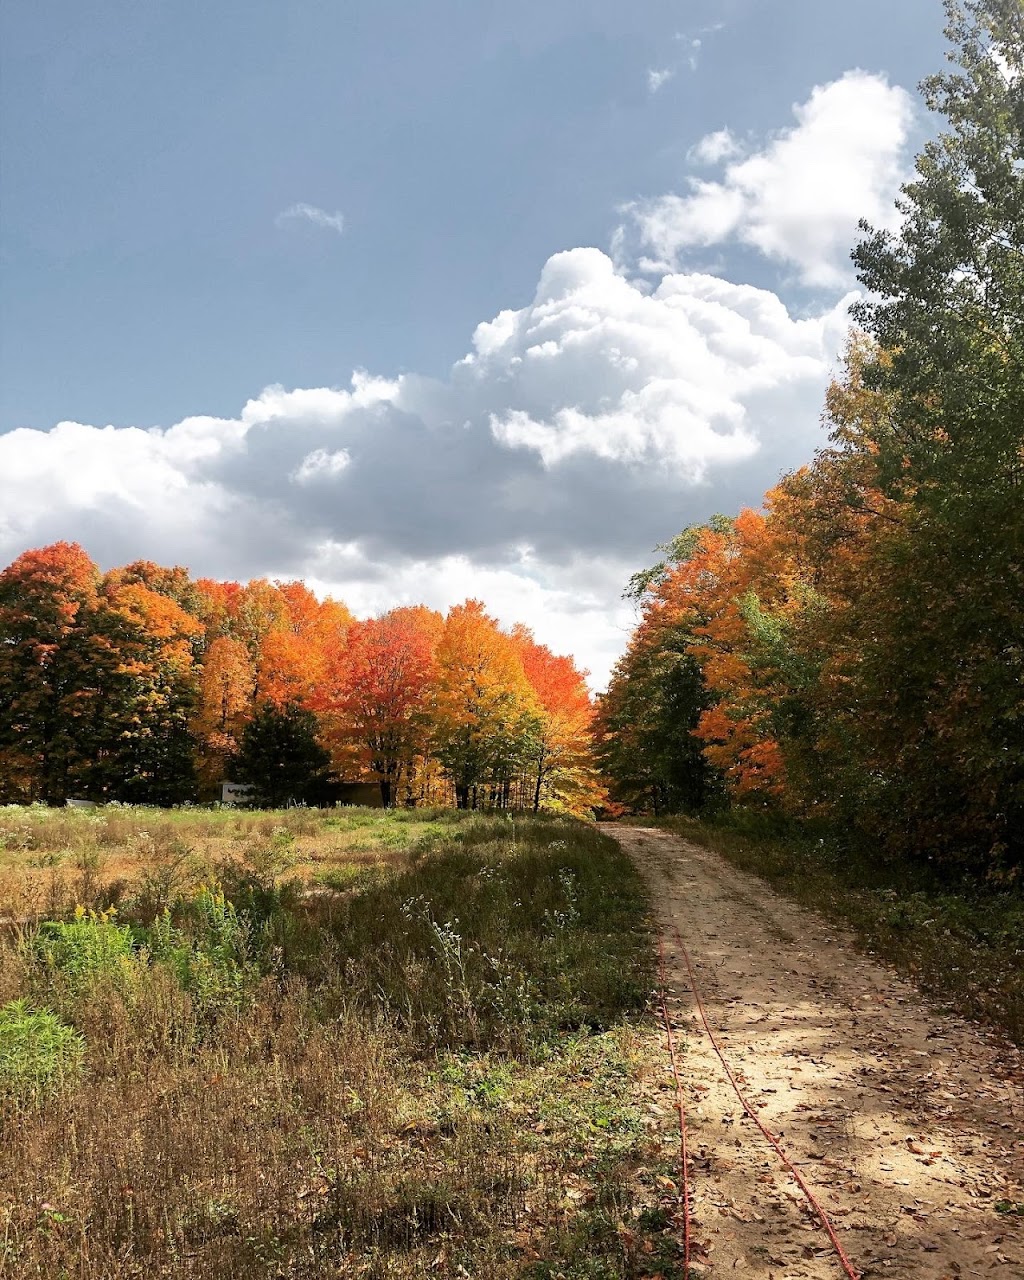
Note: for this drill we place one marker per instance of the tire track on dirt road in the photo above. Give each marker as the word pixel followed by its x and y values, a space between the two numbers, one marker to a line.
pixel 907 1124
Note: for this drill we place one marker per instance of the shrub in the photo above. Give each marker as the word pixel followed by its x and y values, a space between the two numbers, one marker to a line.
pixel 210 957
pixel 93 958
pixel 38 1052
pixel 85 949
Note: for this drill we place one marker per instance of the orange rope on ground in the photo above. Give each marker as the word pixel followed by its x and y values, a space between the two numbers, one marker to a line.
pixel 684 1160
pixel 847 1265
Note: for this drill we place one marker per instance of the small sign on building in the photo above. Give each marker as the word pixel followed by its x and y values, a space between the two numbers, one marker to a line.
pixel 235 793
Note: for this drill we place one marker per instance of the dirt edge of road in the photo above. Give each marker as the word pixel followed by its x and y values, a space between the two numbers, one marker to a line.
pixel 907 1124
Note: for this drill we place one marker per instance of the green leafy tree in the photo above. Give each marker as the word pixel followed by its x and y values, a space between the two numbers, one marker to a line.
pixel 941 628
pixel 645 741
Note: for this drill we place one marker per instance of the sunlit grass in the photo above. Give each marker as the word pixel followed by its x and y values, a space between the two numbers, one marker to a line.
pixel 53 859
pixel 346 1044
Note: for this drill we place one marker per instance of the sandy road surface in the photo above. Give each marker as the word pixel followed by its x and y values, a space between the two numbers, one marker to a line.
pixel 908 1125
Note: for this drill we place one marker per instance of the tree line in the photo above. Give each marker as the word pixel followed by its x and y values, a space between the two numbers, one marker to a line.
pixel 143 685
pixel 854 651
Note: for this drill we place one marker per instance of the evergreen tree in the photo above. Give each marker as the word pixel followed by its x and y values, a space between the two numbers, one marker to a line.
pixel 280 756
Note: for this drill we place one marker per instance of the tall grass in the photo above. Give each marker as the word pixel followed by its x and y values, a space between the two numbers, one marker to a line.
pixel 54 859
pixel 427 1070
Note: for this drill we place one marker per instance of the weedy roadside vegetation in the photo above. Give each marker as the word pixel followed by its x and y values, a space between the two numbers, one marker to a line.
pixel 345 1044
pixel 961 941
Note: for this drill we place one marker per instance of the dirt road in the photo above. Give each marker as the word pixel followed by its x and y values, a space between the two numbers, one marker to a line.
pixel 908 1125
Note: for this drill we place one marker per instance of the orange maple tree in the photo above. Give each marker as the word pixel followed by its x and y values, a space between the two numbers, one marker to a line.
pixel 142 684
pixel 384 702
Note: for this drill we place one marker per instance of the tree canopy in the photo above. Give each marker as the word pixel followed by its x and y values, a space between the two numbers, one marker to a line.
pixel 855 650
pixel 143 685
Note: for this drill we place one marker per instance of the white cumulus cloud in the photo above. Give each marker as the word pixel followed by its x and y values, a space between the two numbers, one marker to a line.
pixel 578 431
pixel 798 199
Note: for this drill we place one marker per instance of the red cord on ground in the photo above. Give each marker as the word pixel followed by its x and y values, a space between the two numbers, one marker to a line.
pixel 684 1159
pixel 848 1266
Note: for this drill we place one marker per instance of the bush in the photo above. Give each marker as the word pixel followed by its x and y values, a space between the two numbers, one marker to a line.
pixel 84 950
pixel 211 959
pixel 38 1052
pixel 91 958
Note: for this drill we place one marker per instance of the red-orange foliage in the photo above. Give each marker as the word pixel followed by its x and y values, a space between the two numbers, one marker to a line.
pixel 126 686
pixel 49 659
pixel 384 702
pixel 225 705
pixel 705 595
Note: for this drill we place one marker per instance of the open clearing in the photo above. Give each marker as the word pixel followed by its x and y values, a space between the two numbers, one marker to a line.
pixel 409 1044
pixel 352 1044
pixel 907 1123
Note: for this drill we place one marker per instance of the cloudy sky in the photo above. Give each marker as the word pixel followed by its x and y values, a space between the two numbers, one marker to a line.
pixel 416 301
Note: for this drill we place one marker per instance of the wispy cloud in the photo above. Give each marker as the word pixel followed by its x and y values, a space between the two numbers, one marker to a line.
pixel 655 79
pixel 310 213
pixel 714 148
pixel 694 44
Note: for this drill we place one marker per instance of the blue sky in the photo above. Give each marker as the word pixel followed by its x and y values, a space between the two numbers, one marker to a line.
pixel 201 201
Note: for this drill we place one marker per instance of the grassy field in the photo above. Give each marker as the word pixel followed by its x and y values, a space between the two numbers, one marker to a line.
pixel 343 1044
pixel 961 942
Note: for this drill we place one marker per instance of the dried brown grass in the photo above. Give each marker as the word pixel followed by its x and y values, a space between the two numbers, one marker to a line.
pixel 366 1111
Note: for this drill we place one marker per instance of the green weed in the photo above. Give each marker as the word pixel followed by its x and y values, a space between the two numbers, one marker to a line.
pixel 38 1052
pixel 89 947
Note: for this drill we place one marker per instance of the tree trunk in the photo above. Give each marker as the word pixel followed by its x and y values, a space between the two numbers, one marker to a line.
pixel 410 779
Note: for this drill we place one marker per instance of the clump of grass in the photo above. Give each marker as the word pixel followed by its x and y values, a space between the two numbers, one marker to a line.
pixel 961 941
